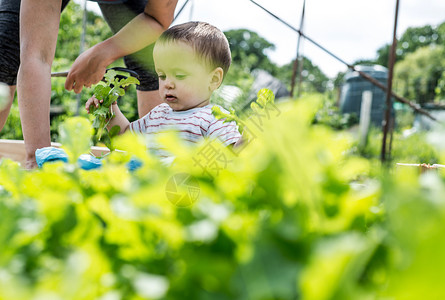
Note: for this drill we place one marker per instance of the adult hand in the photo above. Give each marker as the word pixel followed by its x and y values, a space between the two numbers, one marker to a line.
pixel 89 68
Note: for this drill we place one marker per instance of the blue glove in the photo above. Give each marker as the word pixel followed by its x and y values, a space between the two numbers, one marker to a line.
pixel 89 162
pixel 134 164
pixel 48 154
pixel 85 161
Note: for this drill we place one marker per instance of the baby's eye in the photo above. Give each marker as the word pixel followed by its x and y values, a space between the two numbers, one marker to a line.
pixel 181 76
pixel 162 76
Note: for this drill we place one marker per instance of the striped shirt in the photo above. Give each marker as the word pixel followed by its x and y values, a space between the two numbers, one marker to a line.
pixel 192 125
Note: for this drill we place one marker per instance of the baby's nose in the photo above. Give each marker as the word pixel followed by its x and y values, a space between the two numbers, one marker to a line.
pixel 169 83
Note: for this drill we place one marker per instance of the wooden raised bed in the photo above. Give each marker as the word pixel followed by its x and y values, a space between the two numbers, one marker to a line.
pixel 423 167
pixel 15 150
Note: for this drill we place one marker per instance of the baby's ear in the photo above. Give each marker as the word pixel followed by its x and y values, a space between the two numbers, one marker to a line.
pixel 216 78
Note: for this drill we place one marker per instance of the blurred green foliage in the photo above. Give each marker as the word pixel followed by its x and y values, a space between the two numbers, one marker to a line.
pixel 249 50
pixel 417 76
pixel 329 114
pixel 297 213
pixel 412 39
pixel 413 148
pixel 419 63
pixel 293 215
pixel 312 79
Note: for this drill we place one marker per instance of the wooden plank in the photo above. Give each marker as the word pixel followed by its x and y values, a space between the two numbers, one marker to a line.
pixel 365 118
pixel 15 150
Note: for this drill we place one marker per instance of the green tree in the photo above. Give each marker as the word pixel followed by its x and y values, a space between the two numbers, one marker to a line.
pixel 419 65
pixel 411 40
pixel 70 31
pixel 313 79
pixel 338 80
pixel 417 75
pixel 383 55
pixel 249 50
pixel 441 33
pixel 364 61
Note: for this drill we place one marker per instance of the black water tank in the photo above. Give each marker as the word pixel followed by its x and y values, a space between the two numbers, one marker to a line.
pixel 353 87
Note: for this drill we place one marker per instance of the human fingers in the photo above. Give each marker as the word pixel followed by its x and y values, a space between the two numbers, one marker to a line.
pixel 93 78
pixel 75 82
pixel 86 81
pixel 92 101
pixel 78 86
pixel 74 85
pixel 69 83
pixel 71 80
pixel 88 104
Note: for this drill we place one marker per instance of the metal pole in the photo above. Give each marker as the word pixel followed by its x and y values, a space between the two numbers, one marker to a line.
pixel 388 110
pixel 297 59
pixel 81 48
pixel 301 58
pixel 300 70
pixel 180 10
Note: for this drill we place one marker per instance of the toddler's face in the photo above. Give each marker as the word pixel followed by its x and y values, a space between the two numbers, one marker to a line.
pixel 185 82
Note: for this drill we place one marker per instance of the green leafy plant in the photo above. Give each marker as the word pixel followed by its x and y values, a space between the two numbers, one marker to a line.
pixel 109 91
pixel 294 216
pixel 265 98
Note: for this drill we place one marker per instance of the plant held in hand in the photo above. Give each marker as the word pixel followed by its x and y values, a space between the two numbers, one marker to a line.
pixel 109 91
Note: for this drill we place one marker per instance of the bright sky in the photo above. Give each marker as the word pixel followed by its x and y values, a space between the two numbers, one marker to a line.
pixel 351 29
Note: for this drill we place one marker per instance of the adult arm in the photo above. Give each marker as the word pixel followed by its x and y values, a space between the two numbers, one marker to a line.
pixel 140 32
pixel 39 25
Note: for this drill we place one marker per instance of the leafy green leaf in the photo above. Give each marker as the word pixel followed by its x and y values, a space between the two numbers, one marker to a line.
pixel 109 76
pixel 101 111
pixel 124 82
pixel 265 97
pixel 109 92
pixel 75 136
pixel 100 91
pixel 120 91
pixel 255 107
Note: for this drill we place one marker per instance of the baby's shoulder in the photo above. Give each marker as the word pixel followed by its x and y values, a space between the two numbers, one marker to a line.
pixel 160 110
pixel 219 107
pixel 206 115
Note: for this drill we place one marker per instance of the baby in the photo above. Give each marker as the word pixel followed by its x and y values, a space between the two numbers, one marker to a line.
pixel 191 60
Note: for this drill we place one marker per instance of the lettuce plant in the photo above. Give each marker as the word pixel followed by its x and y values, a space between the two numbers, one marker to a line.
pixel 109 91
